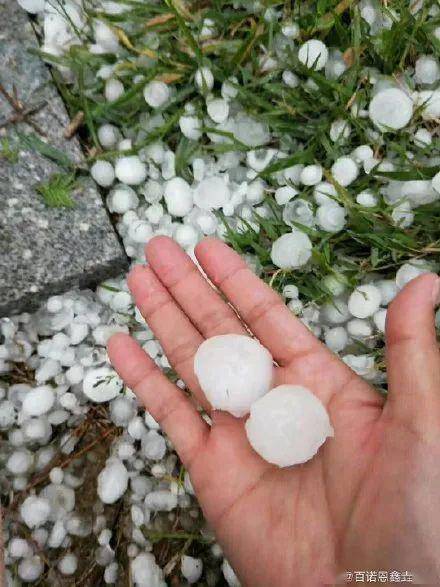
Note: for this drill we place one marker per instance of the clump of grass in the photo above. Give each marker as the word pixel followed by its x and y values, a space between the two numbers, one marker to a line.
pixel 56 192
pixel 8 151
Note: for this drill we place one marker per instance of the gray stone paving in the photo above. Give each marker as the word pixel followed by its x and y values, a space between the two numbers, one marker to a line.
pixel 43 250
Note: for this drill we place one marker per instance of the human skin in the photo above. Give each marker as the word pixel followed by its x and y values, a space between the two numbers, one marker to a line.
pixel 369 499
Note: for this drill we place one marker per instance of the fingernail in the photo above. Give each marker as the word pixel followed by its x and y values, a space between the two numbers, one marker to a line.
pixel 436 292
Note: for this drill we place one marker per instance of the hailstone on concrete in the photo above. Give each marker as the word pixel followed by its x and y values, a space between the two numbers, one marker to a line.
pixel 233 371
pixel 288 425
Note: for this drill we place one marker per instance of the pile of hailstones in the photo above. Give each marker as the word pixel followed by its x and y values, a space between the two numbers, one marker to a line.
pixel 64 343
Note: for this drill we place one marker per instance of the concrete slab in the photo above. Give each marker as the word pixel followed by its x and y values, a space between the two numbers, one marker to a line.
pixel 43 250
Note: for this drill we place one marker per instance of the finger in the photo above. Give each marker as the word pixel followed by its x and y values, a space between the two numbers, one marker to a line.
pixel 412 351
pixel 259 306
pixel 204 307
pixel 167 404
pixel 178 337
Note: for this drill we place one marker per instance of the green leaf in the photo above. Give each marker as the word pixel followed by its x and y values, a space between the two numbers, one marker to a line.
pixel 33 143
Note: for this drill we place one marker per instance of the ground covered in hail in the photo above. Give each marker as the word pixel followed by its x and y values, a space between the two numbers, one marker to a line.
pixel 306 136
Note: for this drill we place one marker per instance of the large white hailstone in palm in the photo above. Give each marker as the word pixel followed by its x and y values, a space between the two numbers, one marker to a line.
pixel 291 250
pixel 233 371
pixel 288 425
pixel 391 109
pixel 112 481
pixel 131 170
pixel 156 94
pixel 313 54
pixel 212 193
pixel 101 384
pixel 178 197
pixel 364 301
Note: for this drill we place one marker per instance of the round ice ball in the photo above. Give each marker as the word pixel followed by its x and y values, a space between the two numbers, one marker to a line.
pixel 288 425
pixel 391 108
pixel 313 54
pixel 233 371
pixel 156 94
pixel 291 250
pixel 364 301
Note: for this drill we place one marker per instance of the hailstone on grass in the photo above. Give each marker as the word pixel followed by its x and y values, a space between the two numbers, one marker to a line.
pixel 156 94
pixel 364 301
pixel 178 197
pixel 391 109
pixel 212 193
pixel 288 425
pixel 233 371
pixel 204 79
pixel 313 54
pixel 130 170
pixel 291 250
pixel 344 171
pixel 331 217
pixel 427 70
pixel 103 173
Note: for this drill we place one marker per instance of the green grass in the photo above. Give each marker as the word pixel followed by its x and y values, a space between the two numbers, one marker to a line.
pixel 163 40
pixel 57 191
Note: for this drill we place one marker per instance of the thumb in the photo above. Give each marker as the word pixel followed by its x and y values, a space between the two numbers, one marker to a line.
pixel 413 356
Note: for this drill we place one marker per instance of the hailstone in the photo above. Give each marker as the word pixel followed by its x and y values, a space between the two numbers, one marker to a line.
pixel 233 371
pixel 288 425
pixel 391 108
pixel 291 250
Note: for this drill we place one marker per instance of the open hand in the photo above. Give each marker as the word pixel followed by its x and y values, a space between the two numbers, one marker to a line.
pixel 369 499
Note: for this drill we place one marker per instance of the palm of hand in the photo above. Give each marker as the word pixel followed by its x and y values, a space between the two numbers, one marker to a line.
pixel 300 525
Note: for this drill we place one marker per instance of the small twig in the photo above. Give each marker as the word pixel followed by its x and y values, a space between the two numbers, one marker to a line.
pixel 74 125
pixel 21 113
